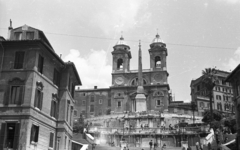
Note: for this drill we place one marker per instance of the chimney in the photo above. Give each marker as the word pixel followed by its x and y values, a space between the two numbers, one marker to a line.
pixel 95 87
pixel 10 29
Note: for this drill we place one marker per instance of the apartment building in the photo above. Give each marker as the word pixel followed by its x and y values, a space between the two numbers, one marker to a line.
pixel 36 93
pixel 222 94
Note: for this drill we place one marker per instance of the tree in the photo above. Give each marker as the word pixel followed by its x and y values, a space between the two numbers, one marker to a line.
pixel 214 120
pixel 231 124
pixel 216 116
pixel 209 79
pixel 78 125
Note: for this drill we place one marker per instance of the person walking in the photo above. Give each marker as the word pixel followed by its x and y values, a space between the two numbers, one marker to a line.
pixel 170 127
pixel 150 144
pixel 209 146
pixel 155 145
pixel 164 146
pixel 197 146
pixel 189 148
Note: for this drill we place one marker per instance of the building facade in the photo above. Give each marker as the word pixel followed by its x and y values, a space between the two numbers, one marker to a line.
pixel 36 93
pixel 234 79
pixel 222 94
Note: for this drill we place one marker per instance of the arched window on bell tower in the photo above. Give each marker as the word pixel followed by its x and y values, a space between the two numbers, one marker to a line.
pixel 119 64
pixel 157 62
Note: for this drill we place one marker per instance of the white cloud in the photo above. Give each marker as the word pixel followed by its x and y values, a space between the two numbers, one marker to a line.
pixel 234 61
pixel 92 69
pixel 121 15
pixel 230 1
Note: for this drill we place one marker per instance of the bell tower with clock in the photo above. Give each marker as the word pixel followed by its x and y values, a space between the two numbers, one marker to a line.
pixel 121 57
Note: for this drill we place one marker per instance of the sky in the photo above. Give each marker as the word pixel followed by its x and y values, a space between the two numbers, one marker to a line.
pixel 198 33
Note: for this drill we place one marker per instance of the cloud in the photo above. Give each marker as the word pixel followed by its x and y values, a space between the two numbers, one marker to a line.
pixel 230 1
pixel 234 61
pixel 92 69
pixel 121 15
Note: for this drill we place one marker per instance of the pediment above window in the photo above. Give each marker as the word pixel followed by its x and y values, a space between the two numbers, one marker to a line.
pixel 39 85
pixel 54 96
pixel 16 81
pixel 158 93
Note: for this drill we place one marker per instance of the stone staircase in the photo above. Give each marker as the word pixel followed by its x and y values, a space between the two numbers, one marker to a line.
pixel 106 147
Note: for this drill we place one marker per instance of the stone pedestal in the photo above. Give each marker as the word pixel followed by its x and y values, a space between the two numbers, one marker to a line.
pixel 141 103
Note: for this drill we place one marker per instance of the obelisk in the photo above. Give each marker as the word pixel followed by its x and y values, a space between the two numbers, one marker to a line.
pixel 140 97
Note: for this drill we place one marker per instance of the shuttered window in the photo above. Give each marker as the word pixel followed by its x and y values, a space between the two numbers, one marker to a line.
pixel 53 108
pixel 19 59
pixel 56 78
pixel 14 92
pixel 51 136
pixel 9 135
pixel 38 99
pixel 16 95
pixel 34 134
pixel 68 105
pixel 18 35
pixel 40 64
pixel 30 35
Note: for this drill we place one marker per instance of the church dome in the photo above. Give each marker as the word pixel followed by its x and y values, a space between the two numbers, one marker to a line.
pixel 157 39
pixel 121 42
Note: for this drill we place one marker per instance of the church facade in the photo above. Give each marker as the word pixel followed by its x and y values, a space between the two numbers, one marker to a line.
pixel 121 96
pixel 138 102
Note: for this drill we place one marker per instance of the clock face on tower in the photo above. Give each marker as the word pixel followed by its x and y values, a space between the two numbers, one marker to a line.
pixel 119 80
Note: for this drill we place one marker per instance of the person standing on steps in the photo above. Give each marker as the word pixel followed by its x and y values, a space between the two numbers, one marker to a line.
pixel 150 144
pixel 155 145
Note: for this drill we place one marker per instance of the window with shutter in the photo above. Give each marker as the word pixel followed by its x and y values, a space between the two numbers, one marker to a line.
pixel 6 95
pixel 30 35
pixel 34 134
pixel 19 59
pixel 16 95
pixel 65 145
pixel 51 140
pixel 38 99
pixel 9 135
pixel 53 108
pixel 56 78
pixel 14 92
pixel 18 35
pixel 40 64
pixel 3 135
pixel 16 135
pixel 68 109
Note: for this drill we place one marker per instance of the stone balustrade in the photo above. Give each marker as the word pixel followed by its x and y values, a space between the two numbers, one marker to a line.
pixel 151 131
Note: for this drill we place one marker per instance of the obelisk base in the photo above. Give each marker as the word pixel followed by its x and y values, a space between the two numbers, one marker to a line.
pixel 141 103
